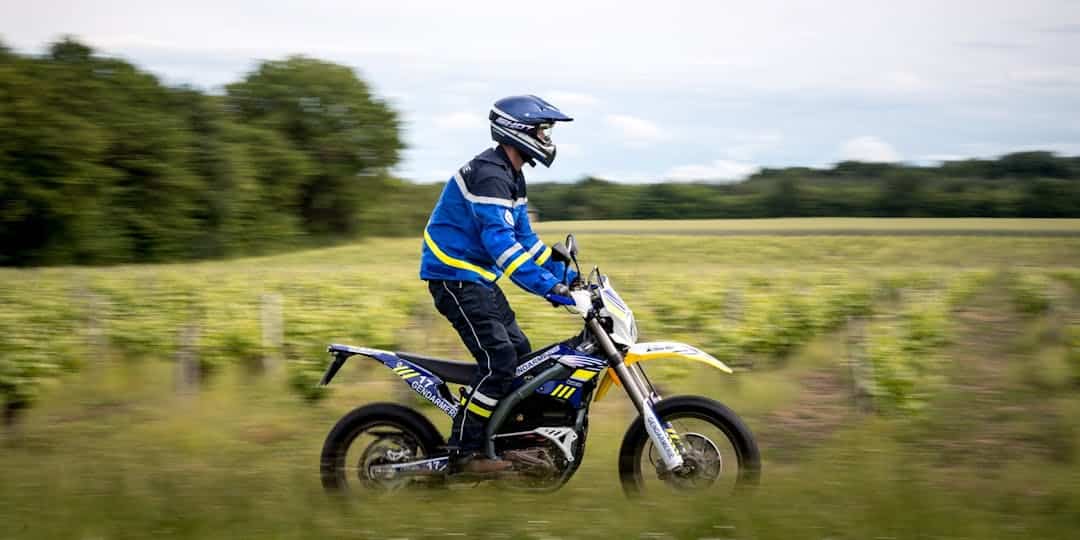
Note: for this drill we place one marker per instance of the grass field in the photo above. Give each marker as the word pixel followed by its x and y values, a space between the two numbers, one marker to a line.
pixel 900 386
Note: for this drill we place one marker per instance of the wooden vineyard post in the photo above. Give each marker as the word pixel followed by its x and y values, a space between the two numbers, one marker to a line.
pixel 862 371
pixel 97 312
pixel 272 330
pixel 188 373
pixel 93 326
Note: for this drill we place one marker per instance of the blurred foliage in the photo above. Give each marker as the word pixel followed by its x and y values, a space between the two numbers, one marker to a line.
pixel 1030 293
pixel 1023 184
pixel 728 298
pixel 1072 353
pixel 38 339
pixel 905 356
pixel 101 163
pixel 965 430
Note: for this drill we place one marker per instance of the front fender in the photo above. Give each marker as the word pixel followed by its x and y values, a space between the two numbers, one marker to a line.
pixel 660 349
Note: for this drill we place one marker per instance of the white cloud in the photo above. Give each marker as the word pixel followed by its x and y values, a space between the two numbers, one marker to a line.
pixel 460 121
pixel 1068 77
pixel 907 81
pixel 869 149
pixel 721 170
pixel 563 99
pixel 888 85
pixel 635 130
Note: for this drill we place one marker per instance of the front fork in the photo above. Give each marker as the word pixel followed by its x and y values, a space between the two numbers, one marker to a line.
pixel 662 434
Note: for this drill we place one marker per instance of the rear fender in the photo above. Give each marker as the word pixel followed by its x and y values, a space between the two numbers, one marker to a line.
pixel 422 381
pixel 655 350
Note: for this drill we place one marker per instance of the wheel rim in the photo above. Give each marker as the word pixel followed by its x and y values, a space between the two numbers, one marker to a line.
pixel 712 460
pixel 374 444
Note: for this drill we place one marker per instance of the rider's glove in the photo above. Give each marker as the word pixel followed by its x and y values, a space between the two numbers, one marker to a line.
pixel 559 295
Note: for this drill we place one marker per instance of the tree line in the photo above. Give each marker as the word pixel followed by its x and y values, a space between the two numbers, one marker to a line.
pixel 1023 184
pixel 102 163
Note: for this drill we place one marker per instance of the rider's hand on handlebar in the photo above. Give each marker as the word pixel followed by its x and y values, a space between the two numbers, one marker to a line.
pixel 559 295
pixel 578 300
pixel 582 300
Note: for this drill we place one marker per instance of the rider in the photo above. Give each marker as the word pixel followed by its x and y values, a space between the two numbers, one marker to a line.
pixel 479 231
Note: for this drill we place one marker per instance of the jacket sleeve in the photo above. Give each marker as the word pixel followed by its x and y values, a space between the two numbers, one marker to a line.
pixel 540 252
pixel 494 214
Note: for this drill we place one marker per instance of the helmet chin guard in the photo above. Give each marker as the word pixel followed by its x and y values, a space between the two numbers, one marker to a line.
pixel 526 123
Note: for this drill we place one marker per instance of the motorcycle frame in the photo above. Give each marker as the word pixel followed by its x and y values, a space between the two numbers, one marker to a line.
pixel 433 388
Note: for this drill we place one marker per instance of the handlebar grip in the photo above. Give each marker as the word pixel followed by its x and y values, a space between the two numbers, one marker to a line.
pixel 559 300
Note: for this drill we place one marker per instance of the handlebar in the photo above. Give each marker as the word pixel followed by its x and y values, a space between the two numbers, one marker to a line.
pixel 560 300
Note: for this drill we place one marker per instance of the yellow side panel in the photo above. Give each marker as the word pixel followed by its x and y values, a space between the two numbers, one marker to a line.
pixel 583 375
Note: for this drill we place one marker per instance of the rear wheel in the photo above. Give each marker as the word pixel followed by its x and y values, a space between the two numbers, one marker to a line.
pixel 719 452
pixel 372 435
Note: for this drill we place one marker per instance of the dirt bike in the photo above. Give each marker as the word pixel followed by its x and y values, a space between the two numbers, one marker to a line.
pixel 684 442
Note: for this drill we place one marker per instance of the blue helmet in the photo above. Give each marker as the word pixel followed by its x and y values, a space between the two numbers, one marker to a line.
pixel 525 123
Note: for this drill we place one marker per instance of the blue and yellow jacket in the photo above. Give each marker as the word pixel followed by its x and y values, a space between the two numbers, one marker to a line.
pixel 480 231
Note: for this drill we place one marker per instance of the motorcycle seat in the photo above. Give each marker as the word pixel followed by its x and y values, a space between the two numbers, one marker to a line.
pixel 456 371
pixel 452 371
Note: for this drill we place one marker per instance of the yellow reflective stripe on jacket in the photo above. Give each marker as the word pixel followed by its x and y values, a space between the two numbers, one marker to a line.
pixel 457 263
pixel 477 409
pixel 517 262
pixel 545 254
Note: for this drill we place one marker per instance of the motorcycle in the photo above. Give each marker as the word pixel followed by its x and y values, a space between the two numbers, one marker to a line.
pixel 683 442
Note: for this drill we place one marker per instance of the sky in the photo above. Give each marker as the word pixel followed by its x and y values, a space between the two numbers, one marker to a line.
pixel 673 90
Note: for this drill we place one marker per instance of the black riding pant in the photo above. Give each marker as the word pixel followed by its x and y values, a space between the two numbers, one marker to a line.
pixel 483 318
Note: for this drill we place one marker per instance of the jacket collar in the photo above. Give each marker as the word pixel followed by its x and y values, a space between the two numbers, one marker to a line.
pixel 498 157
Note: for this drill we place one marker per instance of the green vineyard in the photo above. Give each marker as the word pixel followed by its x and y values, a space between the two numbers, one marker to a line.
pixel 888 377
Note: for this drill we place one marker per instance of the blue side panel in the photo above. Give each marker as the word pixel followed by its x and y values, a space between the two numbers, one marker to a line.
pixel 422 381
pixel 533 365
pixel 571 390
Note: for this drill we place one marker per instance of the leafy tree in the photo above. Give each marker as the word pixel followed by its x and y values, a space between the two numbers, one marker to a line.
pixel 1030 165
pixel 901 195
pixel 328 113
pixel 783 200
pixel 1050 198
pixel 101 163
pixel 51 155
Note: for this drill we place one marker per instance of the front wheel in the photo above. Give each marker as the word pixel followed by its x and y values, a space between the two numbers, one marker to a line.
pixel 718 449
